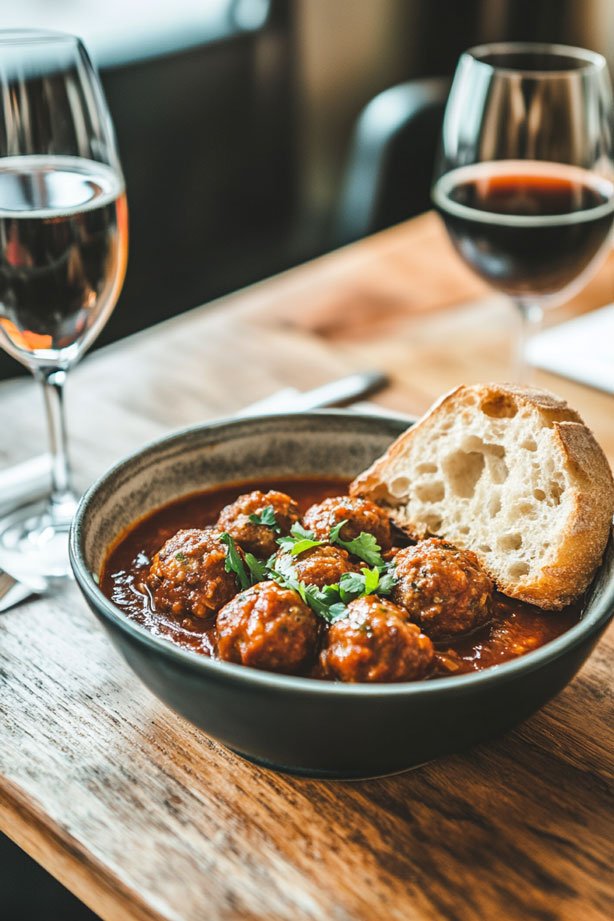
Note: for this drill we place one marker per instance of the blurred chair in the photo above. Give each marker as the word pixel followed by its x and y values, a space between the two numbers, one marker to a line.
pixel 390 165
pixel 204 117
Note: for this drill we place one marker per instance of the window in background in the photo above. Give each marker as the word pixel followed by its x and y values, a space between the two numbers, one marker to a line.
pixel 117 31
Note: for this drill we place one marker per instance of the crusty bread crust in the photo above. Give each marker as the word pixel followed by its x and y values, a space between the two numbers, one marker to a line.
pixel 581 524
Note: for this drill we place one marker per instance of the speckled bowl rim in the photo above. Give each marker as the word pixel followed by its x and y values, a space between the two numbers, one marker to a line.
pixel 588 625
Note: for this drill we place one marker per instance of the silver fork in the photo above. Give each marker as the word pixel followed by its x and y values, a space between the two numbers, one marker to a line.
pixel 12 592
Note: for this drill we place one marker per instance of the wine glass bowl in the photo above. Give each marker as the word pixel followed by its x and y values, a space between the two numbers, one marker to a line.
pixel 64 221
pixel 63 252
pixel 525 177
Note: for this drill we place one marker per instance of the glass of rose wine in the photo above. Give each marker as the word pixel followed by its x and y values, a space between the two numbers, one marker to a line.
pixel 63 251
pixel 525 177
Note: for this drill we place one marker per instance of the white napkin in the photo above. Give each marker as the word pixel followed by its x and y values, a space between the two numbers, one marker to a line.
pixel 581 349
pixel 24 482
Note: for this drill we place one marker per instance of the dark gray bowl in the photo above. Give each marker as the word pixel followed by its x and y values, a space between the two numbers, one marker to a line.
pixel 300 725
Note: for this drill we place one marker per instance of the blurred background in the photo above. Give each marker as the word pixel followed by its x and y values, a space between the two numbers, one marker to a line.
pixel 249 146
pixel 237 122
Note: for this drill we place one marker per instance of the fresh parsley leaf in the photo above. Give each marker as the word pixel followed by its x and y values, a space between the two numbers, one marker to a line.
pixel 181 557
pixel 283 565
pixel 301 545
pixel 292 582
pixel 283 573
pixel 351 586
pixel 267 518
pixel 316 601
pixel 337 612
pixel 365 546
pixel 334 532
pixel 387 582
pixel 297 530
pixel 372 580
pixel 298 540
pixel 234 563
pixel 257 569
pixel 367 582
pixel 357 584
pixel 323 605
pixel 331 592
pixel 323 602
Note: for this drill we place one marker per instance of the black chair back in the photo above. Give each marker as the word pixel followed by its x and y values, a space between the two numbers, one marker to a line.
pixel 390 166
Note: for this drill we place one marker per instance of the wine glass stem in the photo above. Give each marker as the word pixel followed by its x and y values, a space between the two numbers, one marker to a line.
pixel 52 382
pixel 531 316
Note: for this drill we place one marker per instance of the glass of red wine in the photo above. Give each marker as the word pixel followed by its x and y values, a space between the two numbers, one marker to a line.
pixel 63 251
pixel 525 177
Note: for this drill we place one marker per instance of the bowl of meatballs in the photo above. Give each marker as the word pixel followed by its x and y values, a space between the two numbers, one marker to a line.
pixel 292 621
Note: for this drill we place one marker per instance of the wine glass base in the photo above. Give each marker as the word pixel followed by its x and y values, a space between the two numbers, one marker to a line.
pixel 34 544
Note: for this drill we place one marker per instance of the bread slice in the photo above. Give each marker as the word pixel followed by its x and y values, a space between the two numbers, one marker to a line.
pixel 511 473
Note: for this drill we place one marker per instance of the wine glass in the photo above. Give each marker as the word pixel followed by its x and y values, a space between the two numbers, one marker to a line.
pixel 63 251
pixel 525 177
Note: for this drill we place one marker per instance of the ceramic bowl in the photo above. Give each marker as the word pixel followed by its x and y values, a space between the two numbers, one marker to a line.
pixel 301 725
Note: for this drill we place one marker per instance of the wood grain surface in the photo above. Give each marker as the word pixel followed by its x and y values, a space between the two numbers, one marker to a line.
pixel 140 814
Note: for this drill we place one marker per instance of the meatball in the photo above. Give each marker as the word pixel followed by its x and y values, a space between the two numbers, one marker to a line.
pixel 259 539
pixel 188 575
pixel 443 589
pixel 267 627
pixel 318 566
pixel 376 642
pixel 360 514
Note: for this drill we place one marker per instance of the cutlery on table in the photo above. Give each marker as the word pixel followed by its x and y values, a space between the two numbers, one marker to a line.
pixel 29 480
pixel 339 392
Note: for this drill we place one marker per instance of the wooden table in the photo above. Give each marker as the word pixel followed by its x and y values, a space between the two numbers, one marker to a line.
pixel 141 815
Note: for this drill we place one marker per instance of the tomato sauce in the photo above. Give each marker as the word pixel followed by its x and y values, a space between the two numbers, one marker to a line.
pixel 515 629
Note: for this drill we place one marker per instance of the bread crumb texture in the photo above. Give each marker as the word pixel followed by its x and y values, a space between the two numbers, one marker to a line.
pixel 511 473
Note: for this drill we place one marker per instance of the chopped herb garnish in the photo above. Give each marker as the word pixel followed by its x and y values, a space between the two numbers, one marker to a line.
pixel 267 518
pixel 285 577
pixel 323 601
pixel 298 540
pixel 365 546
pixel 330 593
pixel 282 564
pixel 351 586
pixel 257 569
pixel 301 545
pixel 329 602
pixel 181 557
pixel 321 604
pixel 318 602
pixel 387 582
pixel 371 577
pixel 234 563
pixel 270 563
pixel 366 582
